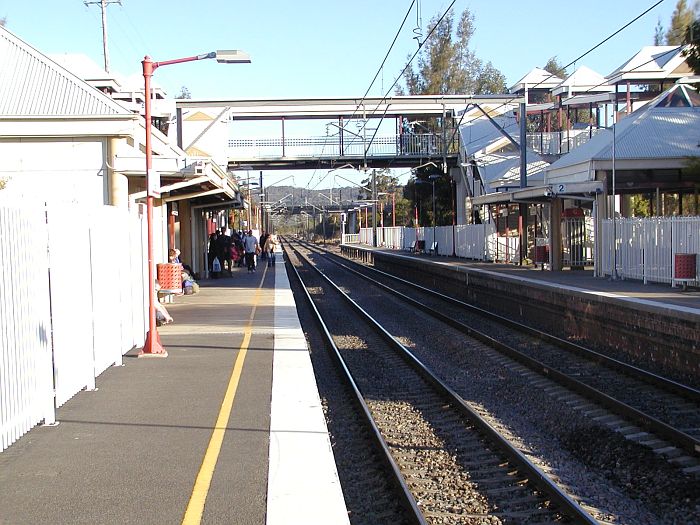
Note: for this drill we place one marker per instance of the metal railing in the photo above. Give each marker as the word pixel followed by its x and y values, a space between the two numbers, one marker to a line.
pixel 72 302
pixel 406 145
pixel 560 142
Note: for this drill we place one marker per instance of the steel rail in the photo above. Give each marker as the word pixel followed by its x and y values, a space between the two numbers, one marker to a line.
pixel 680 389
pixel 675 436
pixel 407 499
pixel 567 505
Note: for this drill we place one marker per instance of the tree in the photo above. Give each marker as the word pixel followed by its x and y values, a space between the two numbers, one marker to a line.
pixel 3 21
pixel 184 93
pixel 681 18
pixel 447 66
pixel 692 53
pixel 659 33
pixel 555 68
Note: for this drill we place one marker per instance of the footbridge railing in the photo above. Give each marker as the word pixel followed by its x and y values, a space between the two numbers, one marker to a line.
pixel 407 145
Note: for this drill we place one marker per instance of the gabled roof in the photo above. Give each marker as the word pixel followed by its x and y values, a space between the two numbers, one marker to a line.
pixel 536 79
pixel 667 128
pixel 31 84
pixel 652 63
pixel 583 80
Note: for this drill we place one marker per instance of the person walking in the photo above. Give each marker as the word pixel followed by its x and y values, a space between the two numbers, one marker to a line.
pixel 271 244
pixel 251 247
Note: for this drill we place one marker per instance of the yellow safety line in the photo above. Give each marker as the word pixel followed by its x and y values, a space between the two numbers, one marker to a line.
pixel 195 507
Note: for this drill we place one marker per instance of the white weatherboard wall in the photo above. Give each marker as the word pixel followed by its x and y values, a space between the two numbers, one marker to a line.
pixel 69 170
pixel 303 485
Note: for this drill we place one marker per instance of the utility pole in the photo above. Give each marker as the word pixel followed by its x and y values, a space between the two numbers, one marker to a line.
pixel 103 6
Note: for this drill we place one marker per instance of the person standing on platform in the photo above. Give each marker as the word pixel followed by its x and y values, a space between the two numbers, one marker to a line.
pixel 251 247
pixel 271 244
pixel 212 253
pixel 263 240
pixel 223 250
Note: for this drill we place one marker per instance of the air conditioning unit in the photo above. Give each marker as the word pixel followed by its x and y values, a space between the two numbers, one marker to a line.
pixel 199 168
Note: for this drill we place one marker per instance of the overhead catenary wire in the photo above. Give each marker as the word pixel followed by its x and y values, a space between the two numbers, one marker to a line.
pixel 670 51
pixel 574 61
pixel 355 112
pixel 386 109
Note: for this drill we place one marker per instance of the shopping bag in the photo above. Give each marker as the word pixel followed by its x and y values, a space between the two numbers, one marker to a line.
pixel 216 265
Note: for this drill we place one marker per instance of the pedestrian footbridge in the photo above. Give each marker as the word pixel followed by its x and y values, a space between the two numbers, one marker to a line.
pixel 404 131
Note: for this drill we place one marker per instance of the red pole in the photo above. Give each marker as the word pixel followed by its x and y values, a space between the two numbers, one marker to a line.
pixel 381 217
pixel 171 229
pixel 152 346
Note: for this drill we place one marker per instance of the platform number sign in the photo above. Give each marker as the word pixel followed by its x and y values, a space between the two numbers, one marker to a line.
pixel 561 188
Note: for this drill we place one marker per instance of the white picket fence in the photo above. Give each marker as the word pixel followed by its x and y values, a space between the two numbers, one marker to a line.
pixel 72 302
pixel 645 249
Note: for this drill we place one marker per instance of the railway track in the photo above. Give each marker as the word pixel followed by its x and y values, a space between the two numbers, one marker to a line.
pixel 654 411
pixel 454 466
pixel 606 473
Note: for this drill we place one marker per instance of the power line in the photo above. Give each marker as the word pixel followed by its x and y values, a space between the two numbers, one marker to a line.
pixel 432 30
pixel 616 32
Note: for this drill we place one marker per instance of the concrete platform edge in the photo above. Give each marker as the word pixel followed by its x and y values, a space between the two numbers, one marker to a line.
pixel 303 485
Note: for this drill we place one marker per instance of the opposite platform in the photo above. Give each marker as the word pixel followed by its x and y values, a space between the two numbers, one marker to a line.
pixel 156 443
pixel 653 325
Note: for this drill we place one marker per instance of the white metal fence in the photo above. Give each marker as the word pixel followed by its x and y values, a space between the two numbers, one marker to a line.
pixel 72 302
pixel 577 241
pixel 474 241
pixel 645 249
pixel 26 383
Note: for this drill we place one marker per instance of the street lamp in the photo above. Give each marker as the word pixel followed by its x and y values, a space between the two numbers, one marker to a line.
pixel 153 346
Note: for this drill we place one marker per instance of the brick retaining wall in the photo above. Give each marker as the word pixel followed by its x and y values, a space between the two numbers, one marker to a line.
pixel 658 338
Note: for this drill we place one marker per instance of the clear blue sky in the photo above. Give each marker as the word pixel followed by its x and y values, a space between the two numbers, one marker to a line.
pixel 324 48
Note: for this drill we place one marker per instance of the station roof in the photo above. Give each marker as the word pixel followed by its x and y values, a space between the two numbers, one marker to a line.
pixel 582 81
pixel 33 85
pixel 479 136
pixel 537 78
pixel 666 130
pixel 652 63
pixel 503 170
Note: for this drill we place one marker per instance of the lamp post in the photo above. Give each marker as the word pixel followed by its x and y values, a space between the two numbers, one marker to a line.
pixel 153 346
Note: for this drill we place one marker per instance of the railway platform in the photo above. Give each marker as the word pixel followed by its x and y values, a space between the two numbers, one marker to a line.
pixel 227 429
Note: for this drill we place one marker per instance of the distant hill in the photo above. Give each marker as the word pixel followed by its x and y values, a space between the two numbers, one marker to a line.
pixel 294 196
